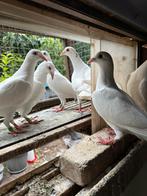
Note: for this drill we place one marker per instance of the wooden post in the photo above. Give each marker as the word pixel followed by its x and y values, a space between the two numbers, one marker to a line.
pixel 97 122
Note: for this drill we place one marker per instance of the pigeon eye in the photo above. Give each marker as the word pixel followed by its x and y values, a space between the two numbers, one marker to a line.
pixel 100 56
pixel 34 53
pixel 67 50
pixel 44 53
pixel 49 68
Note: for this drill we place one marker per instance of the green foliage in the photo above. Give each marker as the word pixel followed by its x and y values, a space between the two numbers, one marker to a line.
pixel 54 46
pixel 83 50
pixel 14 47
pixel 9 63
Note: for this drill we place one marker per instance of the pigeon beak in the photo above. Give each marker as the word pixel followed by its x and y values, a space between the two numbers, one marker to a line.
pixel 91 60
pixel 62 53
pixel 42 56
pixel 52 74
pixel 48 58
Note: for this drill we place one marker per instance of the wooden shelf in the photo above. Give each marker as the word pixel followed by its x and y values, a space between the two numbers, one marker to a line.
pixel 55 125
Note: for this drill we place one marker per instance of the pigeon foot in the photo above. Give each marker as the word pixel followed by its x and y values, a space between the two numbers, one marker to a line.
pixel 106 141
pixel 58 109
pixel 34 120
pixel 20 127
pixel 81 110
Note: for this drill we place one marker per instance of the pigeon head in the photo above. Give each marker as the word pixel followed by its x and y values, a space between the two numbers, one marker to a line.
pixel 50 67
pixel 69 51
pixel 35 55
pixel 101 58
pixel 46 54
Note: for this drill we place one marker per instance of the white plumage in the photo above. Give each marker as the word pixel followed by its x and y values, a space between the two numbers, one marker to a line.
pixel 60 85
pixel 15 91
pixel 81 77
pixel 137 86
pixel 114 105
pixel 40 77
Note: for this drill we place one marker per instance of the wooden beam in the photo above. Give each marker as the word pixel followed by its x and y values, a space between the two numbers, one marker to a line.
pixel 24 16
pixel 50 121
pixel 97 122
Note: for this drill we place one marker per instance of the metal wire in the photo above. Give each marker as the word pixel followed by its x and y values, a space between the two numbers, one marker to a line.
pixel 21 48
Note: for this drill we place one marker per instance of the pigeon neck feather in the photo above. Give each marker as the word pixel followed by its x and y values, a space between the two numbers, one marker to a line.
pixel 27 69
pixel 105 76
pixel 41 73
pixel 76 62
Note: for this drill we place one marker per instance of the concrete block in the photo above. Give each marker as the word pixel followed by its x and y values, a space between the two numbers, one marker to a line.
pixel 84 162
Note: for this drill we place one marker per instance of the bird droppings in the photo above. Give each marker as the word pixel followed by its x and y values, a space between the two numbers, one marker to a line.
pixel 40 187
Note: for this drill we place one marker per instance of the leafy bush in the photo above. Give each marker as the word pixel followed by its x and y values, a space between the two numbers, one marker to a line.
pixel 9 63
pixel 14 47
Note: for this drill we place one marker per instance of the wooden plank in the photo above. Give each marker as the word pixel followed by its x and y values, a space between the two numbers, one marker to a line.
pixel 50 174
pixel 21 192
pixel 46 104
pixel 97 122
pixel 51 121
pixel 49 22
pixel 26 175
pixel 32 143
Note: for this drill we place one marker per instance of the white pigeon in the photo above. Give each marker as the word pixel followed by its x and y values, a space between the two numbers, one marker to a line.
pixel 114 105
pixel 137 86
pixel 60 85
pixel 15 91
pixel 40 77
pixel 81 77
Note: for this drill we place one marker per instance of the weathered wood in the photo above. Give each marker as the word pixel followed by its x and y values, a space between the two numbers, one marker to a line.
pixel 5 186
pixel 46 104
pixel 32 143
pixel 97 122
pixel 51 174
pixel 51 120
pixel 52 23
pixel 21 192
pixel 118 178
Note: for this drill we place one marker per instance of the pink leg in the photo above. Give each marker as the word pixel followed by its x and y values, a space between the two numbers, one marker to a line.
pixel 58 108
pixel 106 141
pixel 81 110
pixel 20 127
pixel 13 133
pixel 33 120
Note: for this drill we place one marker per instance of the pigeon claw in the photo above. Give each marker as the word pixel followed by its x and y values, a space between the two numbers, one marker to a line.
pixel 35 121
pixel 81 110
pixel 58 109
pixel 13 133
pixel 20 127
